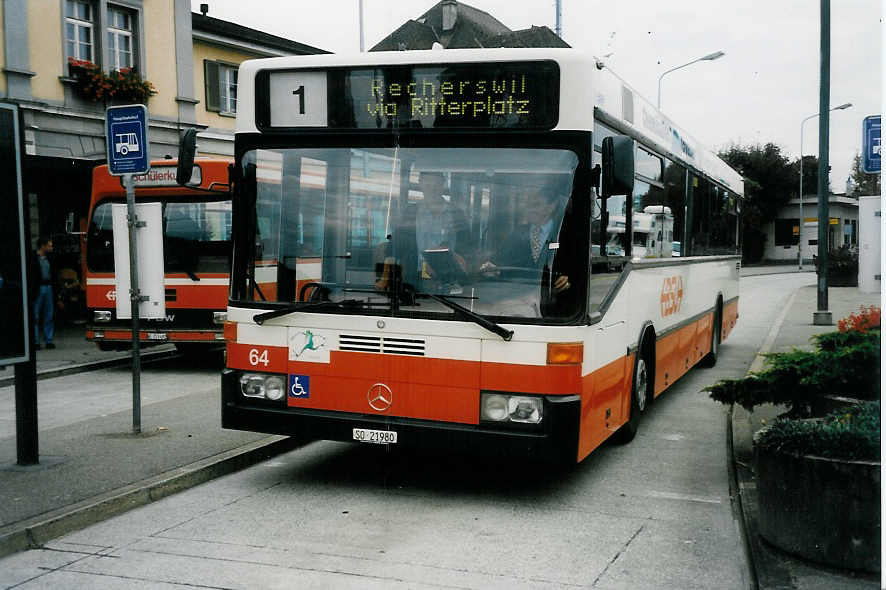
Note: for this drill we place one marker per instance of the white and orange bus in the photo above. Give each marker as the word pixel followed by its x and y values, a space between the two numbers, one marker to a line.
pixel 356 317
pixel 197 255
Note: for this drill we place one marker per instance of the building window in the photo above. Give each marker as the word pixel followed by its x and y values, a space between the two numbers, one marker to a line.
pixel 228 78
pixel 787 232
pixel 79 17
pixel 121 38
pixel 221 87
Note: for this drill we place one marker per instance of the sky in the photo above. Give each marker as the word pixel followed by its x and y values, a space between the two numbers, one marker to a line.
pixel 758 92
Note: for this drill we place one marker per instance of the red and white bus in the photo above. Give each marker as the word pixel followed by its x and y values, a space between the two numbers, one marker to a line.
pixel 362 309
pixel 197 255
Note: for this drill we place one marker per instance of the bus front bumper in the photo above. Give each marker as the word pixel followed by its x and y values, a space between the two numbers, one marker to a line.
pixel 556 441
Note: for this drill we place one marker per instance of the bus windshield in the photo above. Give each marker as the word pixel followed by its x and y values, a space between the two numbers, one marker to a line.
pixel 391 230
pixel 197 236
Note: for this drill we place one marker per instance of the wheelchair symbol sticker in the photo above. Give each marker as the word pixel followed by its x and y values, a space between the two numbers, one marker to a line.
pixel 299 386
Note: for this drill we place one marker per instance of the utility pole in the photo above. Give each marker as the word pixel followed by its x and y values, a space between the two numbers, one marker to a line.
pixel 361 26
pixel 558 20
pixel 822 317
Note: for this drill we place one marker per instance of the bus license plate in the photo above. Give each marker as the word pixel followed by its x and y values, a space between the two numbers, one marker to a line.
pixel 381 437
pixel 156 336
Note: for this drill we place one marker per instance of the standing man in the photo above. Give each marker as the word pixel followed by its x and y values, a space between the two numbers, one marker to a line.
pixel 439 224
pixel 44 303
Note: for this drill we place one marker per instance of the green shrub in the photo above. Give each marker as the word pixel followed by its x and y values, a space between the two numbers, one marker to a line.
pixel 852 434
pixel 845 363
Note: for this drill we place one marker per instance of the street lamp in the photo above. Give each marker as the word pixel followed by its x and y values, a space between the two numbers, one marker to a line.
pixel 800 229
pixel 709 57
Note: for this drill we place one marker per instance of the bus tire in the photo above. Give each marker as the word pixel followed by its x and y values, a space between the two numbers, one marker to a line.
pixel 641 393
pixel 710 359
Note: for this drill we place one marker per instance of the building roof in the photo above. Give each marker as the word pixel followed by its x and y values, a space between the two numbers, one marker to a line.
pixel 473 28
pixel 208 24
pixel 531 37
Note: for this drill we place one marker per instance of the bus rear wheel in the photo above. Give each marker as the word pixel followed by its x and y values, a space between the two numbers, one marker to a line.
pixel 641 395
pixel 710 359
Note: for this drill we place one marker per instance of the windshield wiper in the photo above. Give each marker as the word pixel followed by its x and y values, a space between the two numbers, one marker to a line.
pixel 505 334
pixel 301 306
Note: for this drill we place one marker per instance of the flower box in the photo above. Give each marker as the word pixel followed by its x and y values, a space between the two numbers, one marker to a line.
pixel 119 87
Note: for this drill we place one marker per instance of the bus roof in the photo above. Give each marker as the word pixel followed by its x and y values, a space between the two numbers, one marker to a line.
pixel 211 172
pixel 588 90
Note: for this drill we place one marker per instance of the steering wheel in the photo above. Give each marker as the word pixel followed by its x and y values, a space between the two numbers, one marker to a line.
pixel 320 292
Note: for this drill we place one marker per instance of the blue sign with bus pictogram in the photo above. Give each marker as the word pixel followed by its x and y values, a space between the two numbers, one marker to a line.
pixel 870 129
pixel 126 129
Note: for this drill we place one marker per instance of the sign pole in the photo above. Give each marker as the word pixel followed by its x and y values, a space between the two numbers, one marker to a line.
pixel 135 299
pixel 126 135
pixel 822 316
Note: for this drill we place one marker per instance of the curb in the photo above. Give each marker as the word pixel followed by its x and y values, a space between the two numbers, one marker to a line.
pixel 737 500
pixel 34 532
pixel 742 494
pixel 94 366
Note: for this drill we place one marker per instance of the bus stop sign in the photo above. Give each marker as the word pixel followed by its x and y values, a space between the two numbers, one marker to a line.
pixel 871 144
pixel 126 131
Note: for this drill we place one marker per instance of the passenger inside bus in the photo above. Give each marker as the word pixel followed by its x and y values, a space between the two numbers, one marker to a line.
pixel 430 236
pixel 440 227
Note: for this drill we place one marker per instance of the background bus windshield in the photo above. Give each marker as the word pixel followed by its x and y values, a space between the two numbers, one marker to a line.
pixel 377 229
pixel 197 237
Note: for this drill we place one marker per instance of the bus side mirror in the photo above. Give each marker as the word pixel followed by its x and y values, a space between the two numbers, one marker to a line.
pixel 618 166
pixel 187 148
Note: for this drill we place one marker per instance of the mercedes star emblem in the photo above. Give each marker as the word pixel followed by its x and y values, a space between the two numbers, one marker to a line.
pixel 380 397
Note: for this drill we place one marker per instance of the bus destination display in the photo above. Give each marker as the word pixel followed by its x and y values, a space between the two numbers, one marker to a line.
pixel 517 95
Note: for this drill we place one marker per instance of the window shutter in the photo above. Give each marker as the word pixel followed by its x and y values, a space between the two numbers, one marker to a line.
pixel 213 89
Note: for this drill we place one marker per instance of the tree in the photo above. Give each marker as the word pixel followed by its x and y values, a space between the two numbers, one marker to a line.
pixel 865 184
pixel 810 176
pixel 771 180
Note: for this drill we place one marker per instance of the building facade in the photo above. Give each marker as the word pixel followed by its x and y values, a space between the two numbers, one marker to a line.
pixel 61 59
pixel 785 234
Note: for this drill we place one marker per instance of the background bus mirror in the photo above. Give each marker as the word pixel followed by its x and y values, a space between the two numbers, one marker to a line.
pixel 618 166
pixel 187 148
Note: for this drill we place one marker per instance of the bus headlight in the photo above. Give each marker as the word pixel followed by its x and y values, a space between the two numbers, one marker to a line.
pixel 525 409
pixel 274 388
pixel 263 386
pixel 219 317
pixel 100 315
pixel 494 407
pixel 499 407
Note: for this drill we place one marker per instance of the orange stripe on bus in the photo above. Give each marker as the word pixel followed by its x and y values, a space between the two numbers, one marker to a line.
pixel 604 403
pixel 449 390
pixel 171 335
pixel 186 296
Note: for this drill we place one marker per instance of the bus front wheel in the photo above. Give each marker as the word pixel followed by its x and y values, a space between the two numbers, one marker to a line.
pixel 641 395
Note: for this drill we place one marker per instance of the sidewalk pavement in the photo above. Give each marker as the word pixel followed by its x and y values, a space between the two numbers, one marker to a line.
pixel 74 354
pixel 775 569
pixel 94 469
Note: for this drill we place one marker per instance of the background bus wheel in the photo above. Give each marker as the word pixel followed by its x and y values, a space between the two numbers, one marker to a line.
pixel 710 359
pixel 641 395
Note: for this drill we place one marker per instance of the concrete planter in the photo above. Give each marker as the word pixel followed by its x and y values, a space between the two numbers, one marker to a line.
pixel 825 510
pixel 842 279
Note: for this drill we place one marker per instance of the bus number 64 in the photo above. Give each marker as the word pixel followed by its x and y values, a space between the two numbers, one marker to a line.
pixel 256 357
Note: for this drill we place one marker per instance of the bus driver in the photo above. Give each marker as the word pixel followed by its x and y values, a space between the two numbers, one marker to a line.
pixel 529 244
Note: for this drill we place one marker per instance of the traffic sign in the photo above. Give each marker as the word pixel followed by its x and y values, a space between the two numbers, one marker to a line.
pixel 126 132
pixel 870 128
